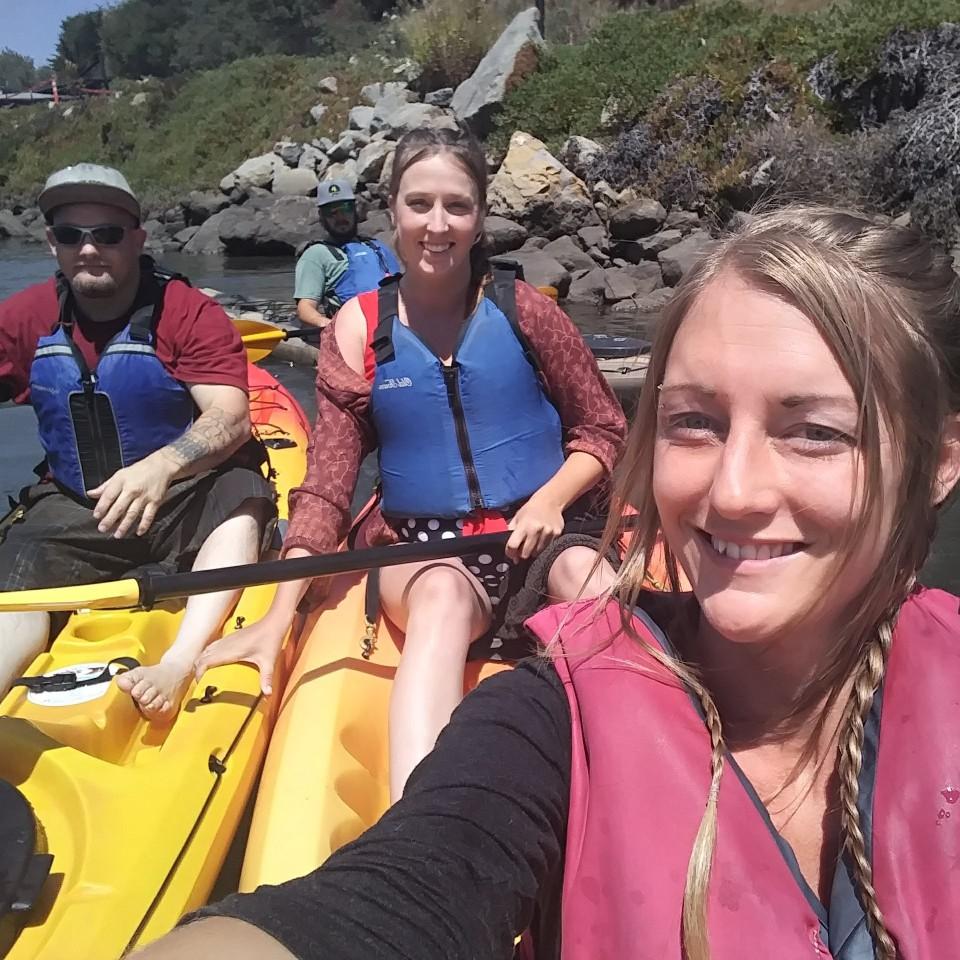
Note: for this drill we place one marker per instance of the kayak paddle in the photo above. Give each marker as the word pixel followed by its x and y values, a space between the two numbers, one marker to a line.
pixel 145 589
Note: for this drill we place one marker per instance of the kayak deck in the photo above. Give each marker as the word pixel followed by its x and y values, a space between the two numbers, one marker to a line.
pixel 325 779
pixel 138 818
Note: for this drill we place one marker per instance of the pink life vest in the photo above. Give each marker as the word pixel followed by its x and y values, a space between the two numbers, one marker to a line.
pixel 640 773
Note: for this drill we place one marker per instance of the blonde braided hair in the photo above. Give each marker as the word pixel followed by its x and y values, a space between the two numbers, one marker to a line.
pixel 850 748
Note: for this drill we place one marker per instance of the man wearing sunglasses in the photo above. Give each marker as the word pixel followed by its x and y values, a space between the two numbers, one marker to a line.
pixel 139 383
pixel 331 271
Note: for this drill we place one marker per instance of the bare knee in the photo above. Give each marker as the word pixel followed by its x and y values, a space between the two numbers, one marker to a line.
pixel 442 589
pixel 578 572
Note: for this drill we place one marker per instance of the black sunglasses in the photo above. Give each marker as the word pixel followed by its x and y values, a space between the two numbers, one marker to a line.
pixel 341 206
pixel 104 235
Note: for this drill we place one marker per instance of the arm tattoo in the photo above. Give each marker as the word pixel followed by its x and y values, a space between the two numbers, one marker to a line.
pixel 213 435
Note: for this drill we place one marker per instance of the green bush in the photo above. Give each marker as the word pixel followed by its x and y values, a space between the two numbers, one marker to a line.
pixel 630 58
pixel 189 133
pixel 448 38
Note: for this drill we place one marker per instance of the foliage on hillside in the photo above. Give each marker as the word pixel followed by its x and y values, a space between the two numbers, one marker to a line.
pixel 188 134
pixel 628 62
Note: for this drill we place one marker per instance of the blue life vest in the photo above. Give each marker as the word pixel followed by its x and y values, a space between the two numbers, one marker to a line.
pixel 368 262
pixel 478 434
pixel 93 422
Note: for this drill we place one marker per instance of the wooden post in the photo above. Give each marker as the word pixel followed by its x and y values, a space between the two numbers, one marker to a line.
pixel 54 90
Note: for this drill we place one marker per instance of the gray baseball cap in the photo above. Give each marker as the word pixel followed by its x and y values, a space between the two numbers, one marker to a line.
pixel 88 183
pixel 334 191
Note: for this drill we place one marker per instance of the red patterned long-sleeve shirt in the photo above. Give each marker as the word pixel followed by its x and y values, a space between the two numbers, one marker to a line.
pixel 591 417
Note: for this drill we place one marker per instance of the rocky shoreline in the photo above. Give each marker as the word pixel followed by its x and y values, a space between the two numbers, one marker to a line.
pixel 594 244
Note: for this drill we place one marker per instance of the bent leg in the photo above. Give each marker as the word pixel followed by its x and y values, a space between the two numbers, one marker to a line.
pixel 576 575
pixel 23 636
pixel 158 689
pixel 442 609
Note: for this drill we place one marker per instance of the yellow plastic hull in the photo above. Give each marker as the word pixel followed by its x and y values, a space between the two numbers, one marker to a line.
pixel 325 779
pixel 139 819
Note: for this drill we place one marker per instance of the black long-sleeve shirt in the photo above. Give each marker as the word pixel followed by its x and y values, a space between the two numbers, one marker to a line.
pixel 473 852
pixel 470 856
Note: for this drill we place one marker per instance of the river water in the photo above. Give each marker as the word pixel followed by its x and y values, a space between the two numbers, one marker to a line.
pixel 271 279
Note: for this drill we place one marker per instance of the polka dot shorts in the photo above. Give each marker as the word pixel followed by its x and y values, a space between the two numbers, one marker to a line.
pixel 491 569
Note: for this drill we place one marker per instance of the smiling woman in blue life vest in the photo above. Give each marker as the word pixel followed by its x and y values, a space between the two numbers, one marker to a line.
pixel 487 412
pixel 766 767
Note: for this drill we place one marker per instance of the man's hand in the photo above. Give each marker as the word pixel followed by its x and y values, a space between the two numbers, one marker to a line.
pixel 132 496
pixel 308 312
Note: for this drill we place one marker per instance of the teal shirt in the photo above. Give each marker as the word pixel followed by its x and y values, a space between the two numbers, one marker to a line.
pixel 318 272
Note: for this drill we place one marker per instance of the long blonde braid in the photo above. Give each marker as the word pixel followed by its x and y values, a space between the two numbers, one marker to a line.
pixel 696 940
pixel 865 685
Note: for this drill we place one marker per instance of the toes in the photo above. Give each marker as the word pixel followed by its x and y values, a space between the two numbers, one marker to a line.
pixel 144 692
pixel 127 679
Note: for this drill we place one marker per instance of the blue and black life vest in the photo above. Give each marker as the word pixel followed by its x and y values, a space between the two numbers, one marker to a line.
pixel 94 422
pixel 368 262
pixel 479 433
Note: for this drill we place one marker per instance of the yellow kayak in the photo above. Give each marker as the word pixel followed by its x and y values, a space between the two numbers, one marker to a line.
pixel 325 779
pixel 138 819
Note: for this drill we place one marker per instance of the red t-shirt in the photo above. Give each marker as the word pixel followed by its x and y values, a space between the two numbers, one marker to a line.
pixel 195 339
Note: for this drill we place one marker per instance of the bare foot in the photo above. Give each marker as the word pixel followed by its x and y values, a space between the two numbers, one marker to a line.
pixel 157 690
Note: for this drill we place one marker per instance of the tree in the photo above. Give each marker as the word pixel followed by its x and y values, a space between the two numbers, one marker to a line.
pixel 16 71
pixel 79 52
pixel 140 36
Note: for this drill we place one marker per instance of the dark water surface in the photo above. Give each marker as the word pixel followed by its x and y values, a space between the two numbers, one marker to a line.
pixel 271 278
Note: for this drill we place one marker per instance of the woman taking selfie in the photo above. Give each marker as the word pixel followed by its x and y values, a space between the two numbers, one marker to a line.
pixel 767 767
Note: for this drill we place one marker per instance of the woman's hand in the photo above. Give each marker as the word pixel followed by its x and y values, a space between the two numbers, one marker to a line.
pixel 259 644
pixel 535 525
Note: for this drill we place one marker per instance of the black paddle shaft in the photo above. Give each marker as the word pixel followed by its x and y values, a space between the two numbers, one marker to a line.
pixel 157 587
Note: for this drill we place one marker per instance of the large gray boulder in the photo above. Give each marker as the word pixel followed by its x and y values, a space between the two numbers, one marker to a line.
pixel 589 287
pixel 565 251
pixel 185 235
pixel 348 146
pixel 313 159
pixel 514 56
pixel 279 229
pixel 594 238
pixel 541 270
pixel 372 93
pixel 295 183
pixel 683 220
pixel 676 262
pixel 439 98
pixel 289 152
pixel 255 172
pixel 360 118
pixel 651 247
pixel 396 119
pixel 654 302
pixel 647 277
pixel 344 171
pixel 637 219
pixel 376 222
pixel 206 241
pixel 532 187
pixel 503 235
pixel 371 160
pixel 579 153
pixel 10 226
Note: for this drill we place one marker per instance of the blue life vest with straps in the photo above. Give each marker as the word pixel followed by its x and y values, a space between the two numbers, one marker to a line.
pixel 94 422
pixel 479 433
pixel 368 262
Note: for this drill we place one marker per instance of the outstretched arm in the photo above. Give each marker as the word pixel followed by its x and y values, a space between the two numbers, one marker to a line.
pixel 453 871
